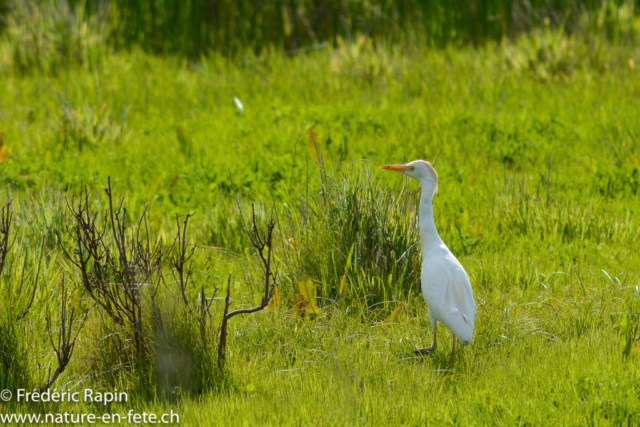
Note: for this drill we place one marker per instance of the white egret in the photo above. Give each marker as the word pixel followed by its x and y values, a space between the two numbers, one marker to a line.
pixel 445 284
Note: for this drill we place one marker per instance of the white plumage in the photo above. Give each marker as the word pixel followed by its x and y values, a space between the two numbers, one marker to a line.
pixel 445 284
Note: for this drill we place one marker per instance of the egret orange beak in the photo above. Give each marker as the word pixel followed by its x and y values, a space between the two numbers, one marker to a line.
pixel 396 168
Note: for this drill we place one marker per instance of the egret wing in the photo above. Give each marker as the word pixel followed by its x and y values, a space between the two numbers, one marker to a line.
pixel 459 295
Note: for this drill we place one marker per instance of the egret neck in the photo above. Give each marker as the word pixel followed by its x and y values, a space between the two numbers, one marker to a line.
pixel 429 236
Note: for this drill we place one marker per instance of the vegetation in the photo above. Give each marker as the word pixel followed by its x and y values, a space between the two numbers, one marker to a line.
pixel 193 27
pixel 209 163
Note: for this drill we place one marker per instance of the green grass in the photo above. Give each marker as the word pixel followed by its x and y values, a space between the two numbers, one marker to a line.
pixel 539 198
pixel 193 27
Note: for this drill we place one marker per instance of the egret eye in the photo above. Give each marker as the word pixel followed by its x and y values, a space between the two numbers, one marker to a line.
pixel 412 168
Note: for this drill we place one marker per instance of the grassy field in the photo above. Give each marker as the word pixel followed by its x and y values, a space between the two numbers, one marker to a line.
pixel 537 141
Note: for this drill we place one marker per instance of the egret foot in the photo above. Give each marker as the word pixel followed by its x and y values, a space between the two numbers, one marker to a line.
pixel 425 350
pixel 433 347
pixel 453 347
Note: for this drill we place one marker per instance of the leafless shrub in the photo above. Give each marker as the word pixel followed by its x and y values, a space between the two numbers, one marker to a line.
pixel 116 259
pixel 260 242
pixel 66 341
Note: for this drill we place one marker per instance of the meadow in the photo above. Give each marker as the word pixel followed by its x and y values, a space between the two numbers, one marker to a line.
pixel 536 140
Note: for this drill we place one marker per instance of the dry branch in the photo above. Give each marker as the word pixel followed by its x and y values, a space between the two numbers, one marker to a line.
pixel 260 242
pixel 183 257
pixel 66 342
pixel 5 227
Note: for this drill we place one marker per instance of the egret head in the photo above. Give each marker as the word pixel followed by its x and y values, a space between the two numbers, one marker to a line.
pixel 420 170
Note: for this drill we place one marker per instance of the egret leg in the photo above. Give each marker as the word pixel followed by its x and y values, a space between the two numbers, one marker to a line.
pixel 433 347
pixel 453 346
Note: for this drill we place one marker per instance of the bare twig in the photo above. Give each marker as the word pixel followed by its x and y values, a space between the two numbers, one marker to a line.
pixel 66 341
pixel 27 307
pixel 183 265
pixel 235 194
pixel 205 304
pixel 437 157
pixel 5 227
pixel 183 257
pixel 260 242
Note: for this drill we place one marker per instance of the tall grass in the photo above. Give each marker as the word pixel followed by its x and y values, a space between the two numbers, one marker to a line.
pixel 193 27
pixel 51 36
pixel 15 371
pixel 20 273
pixel 352 230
